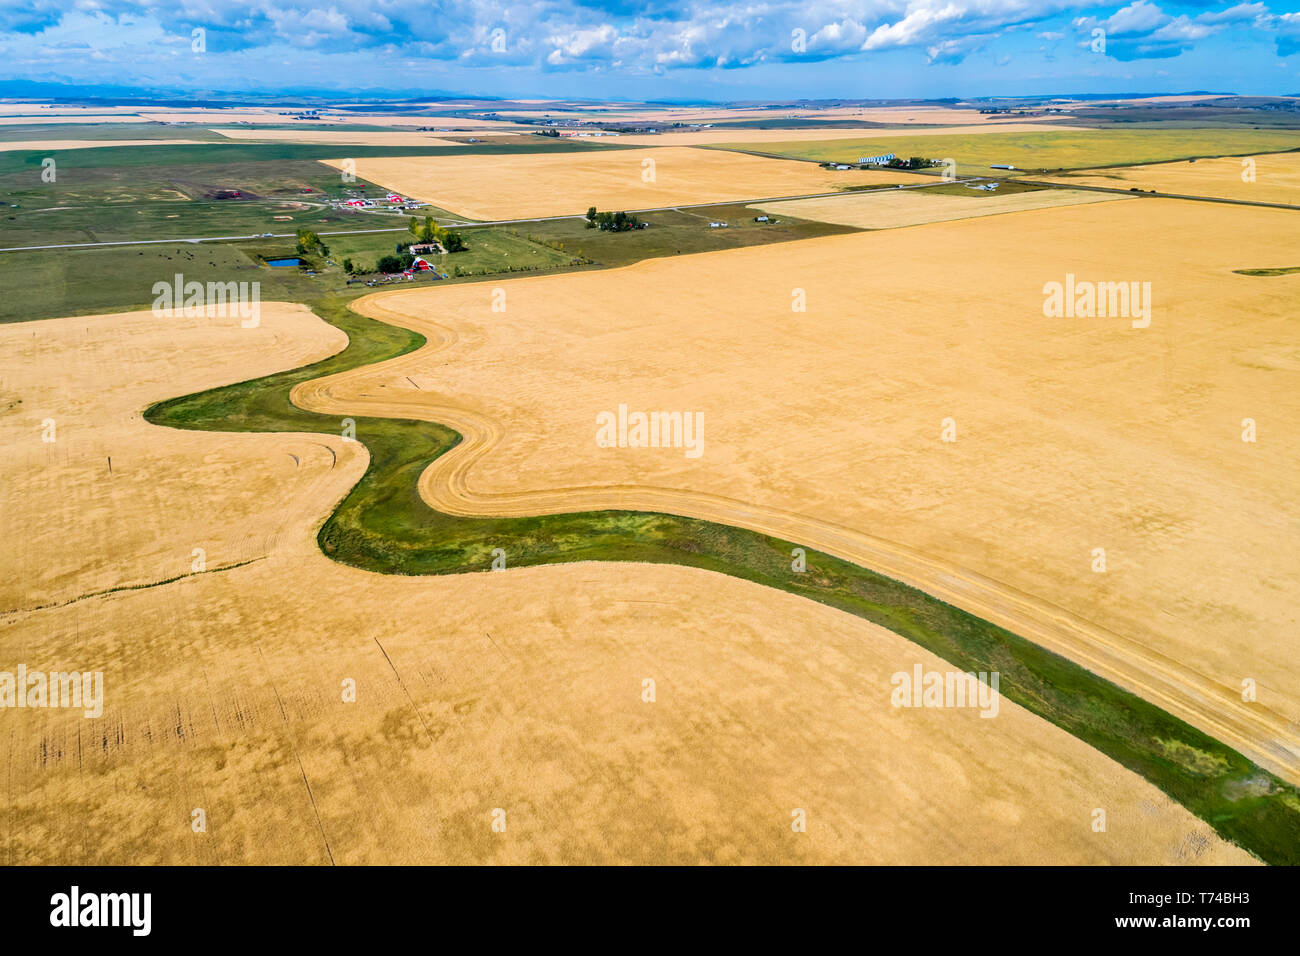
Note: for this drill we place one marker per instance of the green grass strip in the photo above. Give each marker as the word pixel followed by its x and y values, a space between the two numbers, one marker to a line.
pixel 1279 271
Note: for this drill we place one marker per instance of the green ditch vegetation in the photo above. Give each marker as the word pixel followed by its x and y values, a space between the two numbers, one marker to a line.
pixel 1279 271
pixel 383 525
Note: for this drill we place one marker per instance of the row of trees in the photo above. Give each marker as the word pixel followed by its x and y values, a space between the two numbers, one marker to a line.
pixel 309 242
pixel 915 162
pixel 387 264
pixel 612 221
pixel 430 231
pixel 395 263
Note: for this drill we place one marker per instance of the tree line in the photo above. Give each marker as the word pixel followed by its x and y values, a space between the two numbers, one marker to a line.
pixel 613 221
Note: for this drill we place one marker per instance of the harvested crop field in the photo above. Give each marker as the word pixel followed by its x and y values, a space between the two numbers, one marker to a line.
pixel 521 691
pixel 1073 434
pixel 1266 178
pixel 532 185
pixel 910 207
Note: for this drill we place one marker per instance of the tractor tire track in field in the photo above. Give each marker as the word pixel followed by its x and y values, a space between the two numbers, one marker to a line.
pixel 1265 736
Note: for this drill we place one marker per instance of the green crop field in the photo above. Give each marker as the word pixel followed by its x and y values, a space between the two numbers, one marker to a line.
pixel 1041 151
pixel 165 154
pixel 676 232
pixel 48 284
pixel 104 131
pixel 177 202
pixel 114 194
pixel 96 222
pixel 491 250
pixel 109 183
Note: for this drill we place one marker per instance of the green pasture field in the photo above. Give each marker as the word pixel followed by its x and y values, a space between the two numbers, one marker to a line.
pixel 111 204
pixel 1041 151
pixel 492 250
pixel 230 152
pixel 93 222
pixel 273 178
pixel 675 232
pixel 110 194
pixel 56 282
pixel 105 131
pixel 1184 117
pixel 49 284
pixel 554 245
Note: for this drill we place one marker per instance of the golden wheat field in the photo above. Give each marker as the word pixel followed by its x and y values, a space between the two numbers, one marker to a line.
pixel 884 209
pixel 520 691
pixel 167 477
pixel 1269 177
pixel 532 185
pixel 826 426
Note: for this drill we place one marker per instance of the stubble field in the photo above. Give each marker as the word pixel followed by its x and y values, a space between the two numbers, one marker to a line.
pixel 536 185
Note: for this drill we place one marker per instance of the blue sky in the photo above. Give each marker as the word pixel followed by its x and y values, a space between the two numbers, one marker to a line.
pixel 659 49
